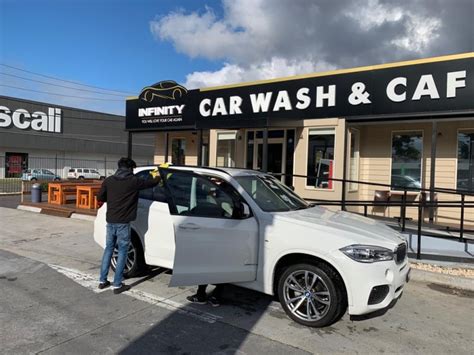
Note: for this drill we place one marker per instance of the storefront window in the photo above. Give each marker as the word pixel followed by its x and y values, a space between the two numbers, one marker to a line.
pixel 226 149
pixel 290 150
pixel 354 160
pixel 407 151
pixel 465 176
pixel 205 154
pixel 178 151
pixel 250 143
pixel 278 133
pixel 15 164
pixel 320 158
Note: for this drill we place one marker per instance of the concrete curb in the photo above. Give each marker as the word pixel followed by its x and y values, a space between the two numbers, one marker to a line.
pixel 442 279
pixel 83 217
pixel 29 208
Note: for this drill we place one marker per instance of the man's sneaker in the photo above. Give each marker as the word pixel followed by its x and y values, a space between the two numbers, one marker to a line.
pixel 196 299
pixel 104 284
pixel 121 289
pixel 214 301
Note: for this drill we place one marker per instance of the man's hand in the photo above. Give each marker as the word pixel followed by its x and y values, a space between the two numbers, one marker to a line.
pixel 154 173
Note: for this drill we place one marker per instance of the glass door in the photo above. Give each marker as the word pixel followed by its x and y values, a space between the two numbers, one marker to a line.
pixel 275 157
pixel 276 151
pixel 178 151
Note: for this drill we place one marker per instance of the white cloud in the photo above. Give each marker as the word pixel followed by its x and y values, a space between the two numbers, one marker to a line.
pixel 232 73
pixel 261 39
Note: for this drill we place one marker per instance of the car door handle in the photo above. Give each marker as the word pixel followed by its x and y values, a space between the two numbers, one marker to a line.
pixel 190 226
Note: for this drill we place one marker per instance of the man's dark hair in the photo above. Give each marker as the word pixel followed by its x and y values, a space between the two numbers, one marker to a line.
pixel 126 163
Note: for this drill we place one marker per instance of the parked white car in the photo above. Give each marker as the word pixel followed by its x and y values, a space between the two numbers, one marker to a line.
pixel 245 227
pixel 83 173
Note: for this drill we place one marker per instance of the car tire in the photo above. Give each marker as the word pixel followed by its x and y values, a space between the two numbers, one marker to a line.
pixel 57 179
pixel 34 179
pixel 81 177
pixel 312 295
pixel 135 263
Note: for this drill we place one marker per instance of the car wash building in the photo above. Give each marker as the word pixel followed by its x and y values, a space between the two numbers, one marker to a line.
pixel 407 124
pixel 37 135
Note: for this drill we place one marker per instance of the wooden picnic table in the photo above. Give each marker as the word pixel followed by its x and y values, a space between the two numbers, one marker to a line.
pixel 58 191
pixel 86 196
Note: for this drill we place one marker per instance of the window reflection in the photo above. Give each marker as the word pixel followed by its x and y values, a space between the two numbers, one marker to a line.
pixel 465 173
pixel 407 150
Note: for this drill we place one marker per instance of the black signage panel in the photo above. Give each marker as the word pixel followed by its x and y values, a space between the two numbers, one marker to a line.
pixel 163 106
pixel 426 88
pixel 421 88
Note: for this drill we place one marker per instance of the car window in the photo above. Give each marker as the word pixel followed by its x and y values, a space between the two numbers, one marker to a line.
pixel 156 193
pixel 94 171
pixel 271 194
pixel 86 170
pixel 201 196
pixel 47 172
pixel 79 170
pixel 71 170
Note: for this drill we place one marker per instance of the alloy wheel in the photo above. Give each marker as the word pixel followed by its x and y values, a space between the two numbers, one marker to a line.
pixel 306 295
pixel 131 259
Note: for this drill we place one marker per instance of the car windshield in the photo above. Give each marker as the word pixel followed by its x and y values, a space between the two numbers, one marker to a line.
pixel 270 194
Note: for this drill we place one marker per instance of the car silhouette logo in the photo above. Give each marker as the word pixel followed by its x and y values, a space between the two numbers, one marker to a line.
pixel 169 90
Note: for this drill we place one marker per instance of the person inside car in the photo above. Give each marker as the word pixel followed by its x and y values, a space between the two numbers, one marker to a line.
pixel 215 298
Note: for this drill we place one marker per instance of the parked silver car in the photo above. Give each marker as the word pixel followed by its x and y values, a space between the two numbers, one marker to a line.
pixel 39 174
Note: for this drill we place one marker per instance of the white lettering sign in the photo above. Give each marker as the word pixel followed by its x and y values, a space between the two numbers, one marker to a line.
pixel 398 90
pixel 426 87
pixel 38 121
pixel 391 89
pixel 454 81
pixel 161 111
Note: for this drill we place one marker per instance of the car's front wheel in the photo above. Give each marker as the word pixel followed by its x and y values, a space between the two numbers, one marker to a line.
pixel 135 261
pixel 311 295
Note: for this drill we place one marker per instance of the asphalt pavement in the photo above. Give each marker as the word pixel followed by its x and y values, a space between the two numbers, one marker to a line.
pixel 49 303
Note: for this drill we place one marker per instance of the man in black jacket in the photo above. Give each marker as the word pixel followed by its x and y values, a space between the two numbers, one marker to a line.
pixel 120 191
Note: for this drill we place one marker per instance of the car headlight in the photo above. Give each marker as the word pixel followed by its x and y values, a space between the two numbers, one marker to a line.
pixel 367 253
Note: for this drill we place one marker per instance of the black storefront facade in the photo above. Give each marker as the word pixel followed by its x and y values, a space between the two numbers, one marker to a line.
pixel 407 123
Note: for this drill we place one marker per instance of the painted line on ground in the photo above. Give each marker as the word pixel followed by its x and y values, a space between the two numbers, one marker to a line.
pixel 90 282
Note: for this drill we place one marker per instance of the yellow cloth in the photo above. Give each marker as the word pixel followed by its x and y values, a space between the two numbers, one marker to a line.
pixel 155 172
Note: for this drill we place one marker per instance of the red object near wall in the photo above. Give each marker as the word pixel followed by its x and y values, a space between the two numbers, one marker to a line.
pixel 330 174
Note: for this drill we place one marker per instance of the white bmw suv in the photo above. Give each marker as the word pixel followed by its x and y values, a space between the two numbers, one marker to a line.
pixel 245 227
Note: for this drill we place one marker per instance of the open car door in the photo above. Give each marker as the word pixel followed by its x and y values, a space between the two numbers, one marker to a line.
pixel 215 241
pixel 155 224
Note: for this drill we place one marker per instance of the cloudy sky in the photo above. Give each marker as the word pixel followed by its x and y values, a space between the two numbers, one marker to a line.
pixel 125 45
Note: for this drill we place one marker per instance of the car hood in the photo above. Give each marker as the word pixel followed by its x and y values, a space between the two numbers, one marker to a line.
pixel 354 228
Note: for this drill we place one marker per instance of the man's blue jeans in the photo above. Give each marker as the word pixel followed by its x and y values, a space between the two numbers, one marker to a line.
pixel 118 234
